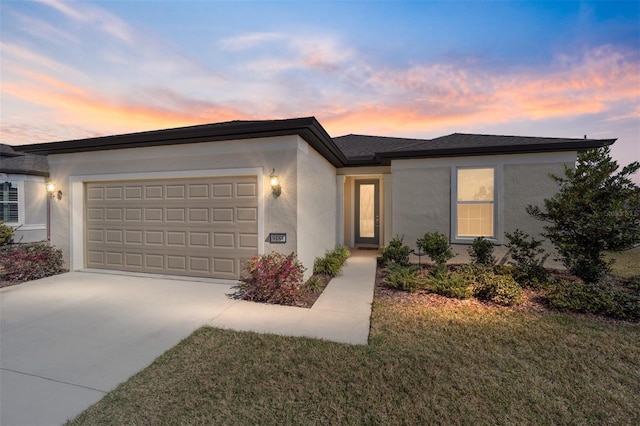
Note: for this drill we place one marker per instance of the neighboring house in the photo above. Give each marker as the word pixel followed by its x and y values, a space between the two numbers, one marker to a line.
pixel 23 197
pixel 197 201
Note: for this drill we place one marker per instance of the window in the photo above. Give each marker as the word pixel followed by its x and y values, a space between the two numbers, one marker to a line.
pixel 475 203
pixel 9 202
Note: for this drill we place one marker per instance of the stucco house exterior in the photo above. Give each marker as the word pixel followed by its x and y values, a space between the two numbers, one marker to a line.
pixel 199 201
pixel 23 197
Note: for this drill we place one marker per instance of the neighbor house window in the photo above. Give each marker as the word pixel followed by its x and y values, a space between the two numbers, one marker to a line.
pixel 475 202
pixel 9 202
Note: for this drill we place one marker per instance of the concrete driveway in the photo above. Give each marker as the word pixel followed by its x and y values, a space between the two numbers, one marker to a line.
pixel 65 341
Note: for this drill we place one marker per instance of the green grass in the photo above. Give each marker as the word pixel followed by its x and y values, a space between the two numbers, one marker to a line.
pixel 423 365
pixel 627 263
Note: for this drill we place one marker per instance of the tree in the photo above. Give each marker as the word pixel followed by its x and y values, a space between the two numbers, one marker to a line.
pixel 596 210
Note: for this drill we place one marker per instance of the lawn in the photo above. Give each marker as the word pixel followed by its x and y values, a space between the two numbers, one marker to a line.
pixel 627 263
pixel 460 365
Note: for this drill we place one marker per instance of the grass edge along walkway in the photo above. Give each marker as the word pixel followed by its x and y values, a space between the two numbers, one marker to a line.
pixel 423 365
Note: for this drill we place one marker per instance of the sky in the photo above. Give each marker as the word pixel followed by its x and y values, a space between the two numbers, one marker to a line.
pixel 420 69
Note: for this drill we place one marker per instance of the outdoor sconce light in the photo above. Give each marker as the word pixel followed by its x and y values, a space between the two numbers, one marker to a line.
pixel 276 189
pixel 51 190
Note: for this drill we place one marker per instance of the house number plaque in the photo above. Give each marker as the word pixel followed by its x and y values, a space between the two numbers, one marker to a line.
pixel 277 238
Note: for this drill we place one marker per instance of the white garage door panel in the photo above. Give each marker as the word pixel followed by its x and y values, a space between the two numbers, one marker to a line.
pixel 206 227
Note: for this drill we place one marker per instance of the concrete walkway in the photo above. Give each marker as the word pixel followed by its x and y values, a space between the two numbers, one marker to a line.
pixel 341 314
pixel 67 340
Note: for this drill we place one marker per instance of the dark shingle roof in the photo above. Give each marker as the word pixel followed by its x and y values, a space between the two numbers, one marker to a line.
pixel 306 127
pixel 380 150
pixel 349 150
pixel 21 163
pixel 362 147
pixel 467 140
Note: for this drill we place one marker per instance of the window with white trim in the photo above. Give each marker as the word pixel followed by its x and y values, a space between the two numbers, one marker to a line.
pixel 475 202
pixel 9 202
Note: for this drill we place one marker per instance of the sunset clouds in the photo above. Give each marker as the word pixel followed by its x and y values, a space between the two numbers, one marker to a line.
pixel 71 70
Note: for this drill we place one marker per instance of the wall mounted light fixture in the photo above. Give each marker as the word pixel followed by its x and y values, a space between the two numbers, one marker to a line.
pixel 51 191
pixel 276 189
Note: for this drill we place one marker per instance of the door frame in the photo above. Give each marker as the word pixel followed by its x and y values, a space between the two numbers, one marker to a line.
pixel 375 240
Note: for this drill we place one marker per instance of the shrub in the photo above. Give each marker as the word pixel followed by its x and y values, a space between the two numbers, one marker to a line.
pixel 594 298
pixel 481 251
pixel 498 288
pixel 25 262
pixel 436 246
pixel 526 253
pixel 396 252
pixel 328 265
pixel 314 284
pixel 332 262
pixel 633 284
pixel 272 278
pixel 6 234
pixel 342 253
pixel 404 278
pixel 451 285
pixel 595 210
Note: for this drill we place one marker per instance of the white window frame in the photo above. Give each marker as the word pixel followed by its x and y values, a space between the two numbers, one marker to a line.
pixel 498 221
pixel 20 187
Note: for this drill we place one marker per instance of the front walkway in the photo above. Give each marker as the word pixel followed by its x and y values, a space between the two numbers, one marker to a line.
pixel 341 314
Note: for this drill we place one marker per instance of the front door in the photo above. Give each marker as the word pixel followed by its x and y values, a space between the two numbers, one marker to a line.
pixel 367 212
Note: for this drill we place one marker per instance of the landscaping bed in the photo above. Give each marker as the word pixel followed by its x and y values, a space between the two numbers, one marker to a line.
pixel 278 279
pixel 29 261
pixel 533 300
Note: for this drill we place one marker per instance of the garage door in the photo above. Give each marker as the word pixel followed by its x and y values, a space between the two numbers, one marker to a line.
pixel 204 227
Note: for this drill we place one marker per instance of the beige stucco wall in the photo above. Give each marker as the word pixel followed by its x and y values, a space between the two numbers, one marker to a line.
pixel 265 154
pixel 422 194
pixel 316 209
pixel 421 201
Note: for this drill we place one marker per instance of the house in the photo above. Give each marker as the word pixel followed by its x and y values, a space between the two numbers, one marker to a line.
pixel 200 200
pixel 23 198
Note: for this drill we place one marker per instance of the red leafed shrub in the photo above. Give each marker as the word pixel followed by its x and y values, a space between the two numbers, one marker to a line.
pixel 272 278
pixel 25 262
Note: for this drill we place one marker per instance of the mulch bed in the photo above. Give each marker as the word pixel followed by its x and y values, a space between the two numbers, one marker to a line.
pixel 308 298
pixel 532 300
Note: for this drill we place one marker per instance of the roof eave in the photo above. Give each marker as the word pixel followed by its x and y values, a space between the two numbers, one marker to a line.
pixel 384 158
pixel 308 128
pixel 25 172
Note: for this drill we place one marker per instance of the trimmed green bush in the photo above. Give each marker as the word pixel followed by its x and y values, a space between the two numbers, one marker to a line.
pixel 481 251
pixel 313 284
pixel 342 253
pixel 328 265
pixel 396 252
pixel 498 288
pixel 332 262
pixel 404 278
pixel 594 298
pixel 272 278
pixel 633 284
pixel 450 285
pixel 26 262
pixel 436 246
pixel 526 253
pixel 6 234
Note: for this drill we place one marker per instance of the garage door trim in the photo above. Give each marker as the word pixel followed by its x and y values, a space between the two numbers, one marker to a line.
pixel 77 200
